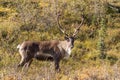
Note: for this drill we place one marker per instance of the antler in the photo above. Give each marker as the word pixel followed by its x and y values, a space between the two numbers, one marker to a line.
pixel 59 26
pixel 78 28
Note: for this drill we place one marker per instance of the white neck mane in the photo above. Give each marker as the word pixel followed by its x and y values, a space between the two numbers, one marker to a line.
pixel 64 46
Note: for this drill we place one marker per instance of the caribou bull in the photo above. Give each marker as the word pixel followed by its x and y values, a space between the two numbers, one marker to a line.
pixel 48 50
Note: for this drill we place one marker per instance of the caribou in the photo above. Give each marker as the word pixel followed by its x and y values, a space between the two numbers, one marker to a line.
pixel 54 50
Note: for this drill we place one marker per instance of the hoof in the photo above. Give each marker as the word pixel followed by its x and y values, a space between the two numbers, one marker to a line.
pixel 57 70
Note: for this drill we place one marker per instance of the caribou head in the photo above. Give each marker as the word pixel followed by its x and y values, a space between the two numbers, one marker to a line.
pixel 69 38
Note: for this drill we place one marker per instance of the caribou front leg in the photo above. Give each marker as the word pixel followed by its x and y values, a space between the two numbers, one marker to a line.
pixel 57 61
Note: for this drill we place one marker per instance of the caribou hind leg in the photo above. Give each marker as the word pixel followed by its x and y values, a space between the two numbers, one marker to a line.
pixel 26 58
pixel 22 62
pixel 25 63
pixel 29 62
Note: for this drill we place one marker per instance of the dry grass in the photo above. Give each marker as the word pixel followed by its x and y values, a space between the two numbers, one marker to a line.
pixel 70 70
pixel 81 65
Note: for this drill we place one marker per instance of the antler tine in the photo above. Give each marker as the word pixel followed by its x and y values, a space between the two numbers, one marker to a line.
pixel 59 26
pixel 78 28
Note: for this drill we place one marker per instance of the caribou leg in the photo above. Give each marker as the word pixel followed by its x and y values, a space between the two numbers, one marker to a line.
pixel 57 61
pixel 25 60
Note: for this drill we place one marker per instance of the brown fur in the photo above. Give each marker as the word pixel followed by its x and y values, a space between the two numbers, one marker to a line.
pixel 45 50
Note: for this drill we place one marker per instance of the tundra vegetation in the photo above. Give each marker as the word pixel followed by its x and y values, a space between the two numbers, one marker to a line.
pixel 96 52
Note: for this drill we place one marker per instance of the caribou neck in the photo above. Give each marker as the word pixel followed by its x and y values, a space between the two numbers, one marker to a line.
pixel 65 49
pixel 64 45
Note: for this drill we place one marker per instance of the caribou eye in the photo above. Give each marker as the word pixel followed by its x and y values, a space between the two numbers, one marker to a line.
pixel 66 38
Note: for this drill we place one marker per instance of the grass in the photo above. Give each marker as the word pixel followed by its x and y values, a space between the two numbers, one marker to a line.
pixel 71 69
pixel 90 73
pixel 80 66
pixel 83 64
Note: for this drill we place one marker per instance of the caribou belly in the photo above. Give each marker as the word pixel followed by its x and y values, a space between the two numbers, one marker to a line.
pixel 43 56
